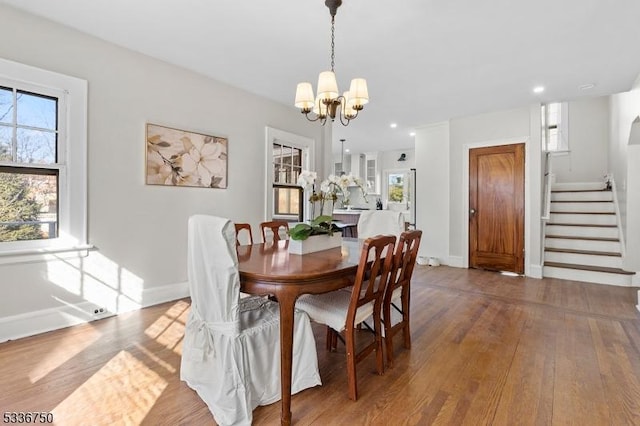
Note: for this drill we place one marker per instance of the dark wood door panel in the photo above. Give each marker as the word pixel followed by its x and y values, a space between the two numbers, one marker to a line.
pixel 496 201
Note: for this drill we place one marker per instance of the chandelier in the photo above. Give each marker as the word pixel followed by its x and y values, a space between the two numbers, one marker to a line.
pixel 329 103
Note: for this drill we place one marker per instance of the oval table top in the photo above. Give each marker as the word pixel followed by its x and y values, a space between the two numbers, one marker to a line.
pixel 272 263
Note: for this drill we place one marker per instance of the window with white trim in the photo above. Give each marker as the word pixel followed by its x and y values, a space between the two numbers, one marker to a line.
pixel 287 195
pixel 42 160
pixel 555 125
pixel 287 155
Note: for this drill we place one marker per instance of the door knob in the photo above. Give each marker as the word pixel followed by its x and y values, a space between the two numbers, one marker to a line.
pixel 472 211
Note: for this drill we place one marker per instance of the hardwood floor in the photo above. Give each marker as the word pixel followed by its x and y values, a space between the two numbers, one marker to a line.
pixel 488 349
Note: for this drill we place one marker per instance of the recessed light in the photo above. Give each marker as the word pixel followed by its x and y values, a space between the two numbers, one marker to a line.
pixel 412 133
pixel 394 125
pixel 587 86
pixel 538 89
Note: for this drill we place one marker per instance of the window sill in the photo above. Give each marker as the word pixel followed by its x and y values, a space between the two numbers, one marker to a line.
pixel 44 254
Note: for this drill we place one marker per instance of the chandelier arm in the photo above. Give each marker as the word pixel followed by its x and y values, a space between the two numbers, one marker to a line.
pixel 311 119
pixel 342 118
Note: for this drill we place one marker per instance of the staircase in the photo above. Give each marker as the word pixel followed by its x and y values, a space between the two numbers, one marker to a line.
pixel 582 238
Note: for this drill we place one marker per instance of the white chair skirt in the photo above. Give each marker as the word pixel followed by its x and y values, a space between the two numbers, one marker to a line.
pixel 234 373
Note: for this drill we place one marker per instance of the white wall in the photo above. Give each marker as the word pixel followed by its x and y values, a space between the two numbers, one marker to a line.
pixel 482 130
pixel 588 134
pixel 139 230
pixel 442 153
pixel 432 184
pixel 624 161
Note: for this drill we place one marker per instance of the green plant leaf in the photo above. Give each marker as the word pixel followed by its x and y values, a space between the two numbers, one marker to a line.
pixel 300 232
pixel 321 219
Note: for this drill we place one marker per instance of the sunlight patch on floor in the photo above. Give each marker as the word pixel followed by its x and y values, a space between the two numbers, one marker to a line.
pixel 66 348
pixel 155 358
pixel 121 392
pixel 168 329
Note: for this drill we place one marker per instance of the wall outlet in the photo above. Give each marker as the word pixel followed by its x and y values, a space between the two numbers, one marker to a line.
pixel 98 312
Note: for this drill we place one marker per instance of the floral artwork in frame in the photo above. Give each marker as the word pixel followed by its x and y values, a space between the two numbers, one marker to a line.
pixel 183 158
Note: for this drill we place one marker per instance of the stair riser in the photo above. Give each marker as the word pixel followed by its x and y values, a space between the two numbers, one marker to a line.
pixel 583 219
pixel 578 186
pixel 583 259
pixel 582 196
pixel 598 207
pixel 587 276
pixel 581 231
pixel 590 245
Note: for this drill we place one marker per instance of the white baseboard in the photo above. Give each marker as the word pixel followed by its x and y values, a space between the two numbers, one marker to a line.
pixel 44 320
pixel 456 261
pixel 535 271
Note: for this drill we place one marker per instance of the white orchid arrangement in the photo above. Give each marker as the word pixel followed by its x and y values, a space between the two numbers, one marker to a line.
pixel 329 190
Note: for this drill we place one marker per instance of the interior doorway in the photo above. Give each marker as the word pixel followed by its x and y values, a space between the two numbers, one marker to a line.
pixel 496 208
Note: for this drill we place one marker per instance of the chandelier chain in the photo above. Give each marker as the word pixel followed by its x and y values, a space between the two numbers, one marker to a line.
pixel 333 44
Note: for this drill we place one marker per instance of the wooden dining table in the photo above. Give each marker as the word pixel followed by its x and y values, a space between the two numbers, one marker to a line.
pixel 269 269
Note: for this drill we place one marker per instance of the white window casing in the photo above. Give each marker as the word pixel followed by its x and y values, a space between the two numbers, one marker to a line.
pixel 71 162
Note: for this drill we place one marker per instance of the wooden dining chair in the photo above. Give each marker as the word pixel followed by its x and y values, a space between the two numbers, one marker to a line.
pixel 342 311
pixel 397 297
pixel 274 226
pixel 240 227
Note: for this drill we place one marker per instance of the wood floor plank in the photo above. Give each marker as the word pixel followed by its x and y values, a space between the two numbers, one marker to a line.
pixel 487 349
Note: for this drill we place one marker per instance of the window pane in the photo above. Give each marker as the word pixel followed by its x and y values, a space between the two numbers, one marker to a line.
pixel 5 143
pixel 297 157
pixel 553 140
pixel 6 105
pixel 396 187
pixel 28 205
pixel 286 201
pixel 37 111
pixel 36 146
pixel 554 114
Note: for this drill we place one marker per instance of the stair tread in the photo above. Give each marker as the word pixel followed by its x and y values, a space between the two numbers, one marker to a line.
pixel 590 252
pixel 589 268
pixel 579 190
pixel 581 224
pixel 571 237
pixel 609 213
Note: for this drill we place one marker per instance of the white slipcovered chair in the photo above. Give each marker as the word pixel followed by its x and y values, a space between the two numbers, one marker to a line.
pixel 231 348
pixel 380 222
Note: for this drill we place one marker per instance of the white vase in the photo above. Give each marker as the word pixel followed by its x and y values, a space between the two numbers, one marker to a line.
pixel 315 243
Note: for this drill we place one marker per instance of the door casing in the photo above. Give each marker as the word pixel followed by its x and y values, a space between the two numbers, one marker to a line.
pixel 464 223
pixel 503 169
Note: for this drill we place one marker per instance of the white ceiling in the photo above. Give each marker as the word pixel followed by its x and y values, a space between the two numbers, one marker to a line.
pixel 424 60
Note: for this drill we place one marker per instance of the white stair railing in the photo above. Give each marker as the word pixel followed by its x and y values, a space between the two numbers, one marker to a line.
pixel 611 185
pixel 549 178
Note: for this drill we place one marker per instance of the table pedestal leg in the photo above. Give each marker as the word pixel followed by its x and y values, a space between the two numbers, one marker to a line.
pixel 287 306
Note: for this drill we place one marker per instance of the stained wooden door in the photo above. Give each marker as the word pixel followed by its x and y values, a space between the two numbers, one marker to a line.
pixel 496 208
